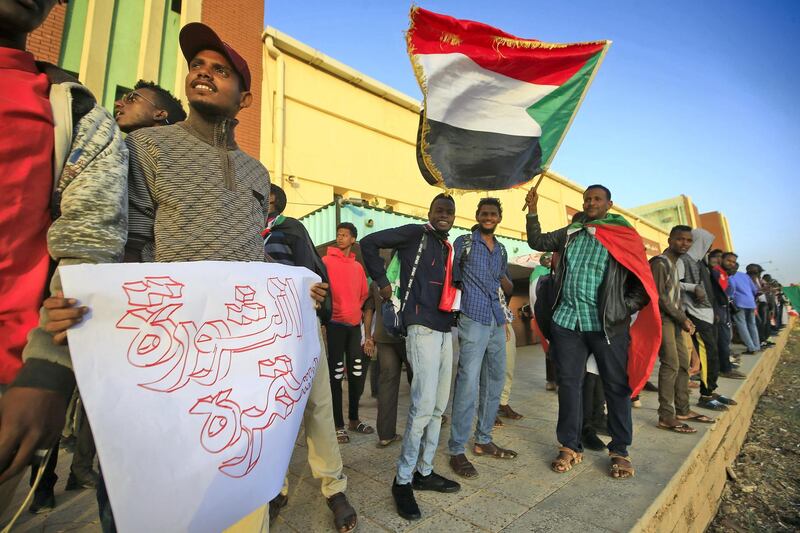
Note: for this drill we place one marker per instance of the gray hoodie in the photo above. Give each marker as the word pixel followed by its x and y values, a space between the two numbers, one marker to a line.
pixel 696 273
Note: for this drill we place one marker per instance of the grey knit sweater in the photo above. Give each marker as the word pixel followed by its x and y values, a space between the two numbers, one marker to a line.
pixel 194 198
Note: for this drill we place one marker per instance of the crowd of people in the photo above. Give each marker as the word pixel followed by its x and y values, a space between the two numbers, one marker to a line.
pixel 176 187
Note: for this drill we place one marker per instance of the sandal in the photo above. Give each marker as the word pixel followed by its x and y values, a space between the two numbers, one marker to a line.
pixel 621 467
pixel 567 458
pixel 461 466
pixel 341 436
pixel 697 417
pixel 492 450
pixel 344 516
pixel 362 428
pixel 386 442
pixel 508 412
pixel 676 427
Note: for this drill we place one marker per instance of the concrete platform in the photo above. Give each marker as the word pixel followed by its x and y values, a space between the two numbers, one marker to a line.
pixel 679 478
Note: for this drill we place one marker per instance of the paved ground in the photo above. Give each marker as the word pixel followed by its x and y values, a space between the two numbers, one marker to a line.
pixel 512 496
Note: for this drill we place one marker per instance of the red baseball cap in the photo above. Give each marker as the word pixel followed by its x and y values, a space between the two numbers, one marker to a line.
pixel 196 37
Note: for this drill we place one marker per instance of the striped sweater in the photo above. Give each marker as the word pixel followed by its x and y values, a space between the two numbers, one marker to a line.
pixel 194 198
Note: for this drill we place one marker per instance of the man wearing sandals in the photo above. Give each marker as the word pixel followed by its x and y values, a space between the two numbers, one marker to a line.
pixel 673 375
pixel 601 280
pixel 480 270
pixel 425 266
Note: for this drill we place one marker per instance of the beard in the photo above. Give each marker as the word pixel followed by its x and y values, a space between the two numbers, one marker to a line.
pixel 210 110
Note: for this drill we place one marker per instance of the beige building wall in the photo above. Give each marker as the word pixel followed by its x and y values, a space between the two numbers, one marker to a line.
pixel 330 130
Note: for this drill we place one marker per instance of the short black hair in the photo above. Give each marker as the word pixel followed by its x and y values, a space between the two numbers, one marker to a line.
pixel 442 196
pixel 349 227
pixel 490 201
pixel 715 252
pixel 728 254
pixel 598 186
pixel 165 100
pixel 680 228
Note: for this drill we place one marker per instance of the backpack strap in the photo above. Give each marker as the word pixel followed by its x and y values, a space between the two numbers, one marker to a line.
pixel 422 243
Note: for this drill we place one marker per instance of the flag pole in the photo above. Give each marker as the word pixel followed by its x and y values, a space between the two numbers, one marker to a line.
pixel 535 187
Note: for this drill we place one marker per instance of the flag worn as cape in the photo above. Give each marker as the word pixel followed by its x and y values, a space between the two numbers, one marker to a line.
pixel 496 107
pixel 626 246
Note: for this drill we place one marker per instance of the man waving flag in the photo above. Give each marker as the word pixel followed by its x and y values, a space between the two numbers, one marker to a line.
pixel 496 107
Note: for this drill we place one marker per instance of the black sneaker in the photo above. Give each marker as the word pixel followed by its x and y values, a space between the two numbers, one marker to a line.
pixel 43 501
pixel 707 402
pixel 404 500
pixel 275 505
pixel 592 441
pixel 434 481
pixel 724 399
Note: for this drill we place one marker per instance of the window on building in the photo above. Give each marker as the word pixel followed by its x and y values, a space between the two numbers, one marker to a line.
pixel 175 6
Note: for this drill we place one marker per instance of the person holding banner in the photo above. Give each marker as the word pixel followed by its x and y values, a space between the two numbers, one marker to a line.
pixel 601 280
pixel 176 168
pixel 426 313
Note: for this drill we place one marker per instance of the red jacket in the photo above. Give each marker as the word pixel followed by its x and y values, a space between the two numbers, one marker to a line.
pixel 348 286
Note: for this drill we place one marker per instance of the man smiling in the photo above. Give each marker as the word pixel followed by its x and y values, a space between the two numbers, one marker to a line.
pixel 425 259
pixel 480 269
pixel 198 163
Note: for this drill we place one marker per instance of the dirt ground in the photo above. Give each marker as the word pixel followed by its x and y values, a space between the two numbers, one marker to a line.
pixel 763 488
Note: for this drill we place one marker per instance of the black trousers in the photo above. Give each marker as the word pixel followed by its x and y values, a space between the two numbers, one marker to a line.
pixel 390 358
pixel 345 356
pixel 549 368
pixel 593 402
pixel 724 341
pixel 569 351
pixel 705 340
pixel 762 321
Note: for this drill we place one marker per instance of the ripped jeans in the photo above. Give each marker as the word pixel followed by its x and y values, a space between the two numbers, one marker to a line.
pixel 346 357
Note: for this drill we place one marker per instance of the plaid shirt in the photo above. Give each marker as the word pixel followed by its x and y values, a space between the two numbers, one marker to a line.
pixel 587 261
pixel 480 279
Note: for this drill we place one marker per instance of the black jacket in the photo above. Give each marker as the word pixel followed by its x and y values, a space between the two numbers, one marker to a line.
pixel 422 306
pixel 621 293
pixel 294 235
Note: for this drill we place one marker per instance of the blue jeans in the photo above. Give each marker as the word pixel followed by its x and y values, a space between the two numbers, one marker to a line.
pixel 745 320
pixel 481 362
pixel 430 354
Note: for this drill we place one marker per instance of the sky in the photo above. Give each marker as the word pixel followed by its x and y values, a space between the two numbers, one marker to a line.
pixel 694 97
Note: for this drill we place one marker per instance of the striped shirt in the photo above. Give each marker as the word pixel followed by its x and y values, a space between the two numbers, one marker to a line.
pixel 194 199
pixel 587 261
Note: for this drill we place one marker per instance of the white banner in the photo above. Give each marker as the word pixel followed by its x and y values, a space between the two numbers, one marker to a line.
pixel 194 377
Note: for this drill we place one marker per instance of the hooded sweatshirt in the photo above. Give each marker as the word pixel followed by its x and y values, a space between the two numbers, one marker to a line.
pixel 348 286
pixel 696 273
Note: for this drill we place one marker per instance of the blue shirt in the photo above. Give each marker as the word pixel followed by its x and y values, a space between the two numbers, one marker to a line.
pixel 480 279
pixel 742 290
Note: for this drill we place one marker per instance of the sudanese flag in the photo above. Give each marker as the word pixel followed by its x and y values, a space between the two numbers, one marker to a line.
pixel 496 107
